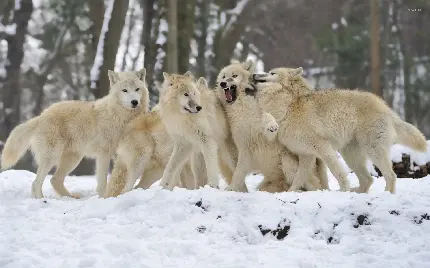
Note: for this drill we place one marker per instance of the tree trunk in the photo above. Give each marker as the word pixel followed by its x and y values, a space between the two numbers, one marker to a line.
pixel 186 13
pixel 131 23
pixel 203 23
pixel 96 12
pixel 148 42
pixel 375 48
pixel 109 44
pixel 172 37
pixel 11 96
pixel 226 37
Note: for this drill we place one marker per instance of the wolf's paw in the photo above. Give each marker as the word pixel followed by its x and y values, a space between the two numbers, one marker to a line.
pixel 241 189
pixel 213 185
pixel 272 126
pixel 77 195
pixel 345 189
pixel 270 122
pixel 167 186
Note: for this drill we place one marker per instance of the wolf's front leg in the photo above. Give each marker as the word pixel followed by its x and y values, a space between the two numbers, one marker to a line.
pixel 178 158
pixel 102 170
pixel 270 126
pixel 306 162
pixel 210 153
pixel 243 168
pixel 198 169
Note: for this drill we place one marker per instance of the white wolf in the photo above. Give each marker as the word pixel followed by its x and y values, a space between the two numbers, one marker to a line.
pixel 255 151
pixel 145 148
pixel 195 120
pixel 67 131
pixel 319 123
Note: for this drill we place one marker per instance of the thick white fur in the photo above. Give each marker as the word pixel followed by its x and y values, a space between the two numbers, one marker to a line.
pixel 318 123
pixel 194 131
pixel 255 152
pixel 67 131
pixel 144 149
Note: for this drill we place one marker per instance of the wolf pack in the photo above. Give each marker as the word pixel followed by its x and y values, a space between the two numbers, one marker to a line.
pixel 272 123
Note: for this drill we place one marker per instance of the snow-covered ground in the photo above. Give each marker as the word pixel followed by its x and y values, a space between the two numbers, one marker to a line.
pixel 213 228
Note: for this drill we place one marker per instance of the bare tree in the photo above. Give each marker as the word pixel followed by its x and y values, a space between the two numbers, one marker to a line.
pixel 375 48
pixel 107 46
pixel 11 97
pixel 172 37
pixel 185 26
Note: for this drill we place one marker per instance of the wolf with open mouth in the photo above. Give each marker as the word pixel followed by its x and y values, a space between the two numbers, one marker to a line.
pixel 247 121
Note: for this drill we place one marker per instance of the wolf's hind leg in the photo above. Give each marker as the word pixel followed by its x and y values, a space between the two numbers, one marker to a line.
pixel 68 162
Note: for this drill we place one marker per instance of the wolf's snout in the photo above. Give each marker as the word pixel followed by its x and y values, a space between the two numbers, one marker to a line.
pixel 259 77
pixel 198 108
pixel 134 103
pixel 223 84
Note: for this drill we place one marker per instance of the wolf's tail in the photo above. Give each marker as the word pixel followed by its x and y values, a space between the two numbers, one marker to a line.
pixel 17 143
pixel 409 135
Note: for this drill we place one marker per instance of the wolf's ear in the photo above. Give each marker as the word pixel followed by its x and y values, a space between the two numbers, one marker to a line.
pixel 141 74
pixel 166 75
pixel 298 71
pixel 249 65
pixel 188 74
pixel 201 82
pixel 113 77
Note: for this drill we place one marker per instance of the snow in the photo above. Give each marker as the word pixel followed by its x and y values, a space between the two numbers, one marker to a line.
pixel 158 228
pixel 8 29
pixel 343 21
pixel 17 4
pixel 334 26
pixel 419 158
pixel 98 61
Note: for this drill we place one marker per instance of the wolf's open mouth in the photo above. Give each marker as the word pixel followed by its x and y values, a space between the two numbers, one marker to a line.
pixel 230 94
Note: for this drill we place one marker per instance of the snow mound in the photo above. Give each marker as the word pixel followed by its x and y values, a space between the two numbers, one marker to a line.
pixel 420 159
pixel 214 228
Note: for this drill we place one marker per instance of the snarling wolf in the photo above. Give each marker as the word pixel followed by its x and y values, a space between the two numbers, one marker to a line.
pixel 67 131
pixel 255 151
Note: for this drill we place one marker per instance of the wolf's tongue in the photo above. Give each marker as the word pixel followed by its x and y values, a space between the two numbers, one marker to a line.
pixel 228 95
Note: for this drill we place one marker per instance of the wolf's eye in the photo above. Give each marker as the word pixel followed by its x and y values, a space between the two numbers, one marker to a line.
pixel 124 90
pixel 235 75
pixel 272 73
pixel 171 84
pixel 186 94
pixel 223 76
pixel 137 89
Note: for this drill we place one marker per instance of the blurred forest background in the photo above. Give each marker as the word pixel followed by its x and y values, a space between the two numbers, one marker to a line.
pixel 52 50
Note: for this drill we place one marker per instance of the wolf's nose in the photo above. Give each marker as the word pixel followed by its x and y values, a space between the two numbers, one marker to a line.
pixel 134 102
pixel 198 108
pixel 223 84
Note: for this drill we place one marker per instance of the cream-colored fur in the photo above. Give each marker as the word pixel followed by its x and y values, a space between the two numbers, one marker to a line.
pixel 67 131
pixel 145 148
pixel 256 153
pixel 196 122
pixel 357 124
